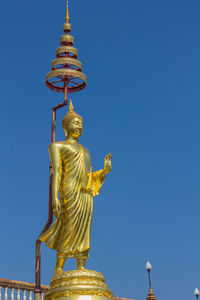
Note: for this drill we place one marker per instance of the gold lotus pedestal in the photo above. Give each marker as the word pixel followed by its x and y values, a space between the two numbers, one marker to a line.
pixel 78 285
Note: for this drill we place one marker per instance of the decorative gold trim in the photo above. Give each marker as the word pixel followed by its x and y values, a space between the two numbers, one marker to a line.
pixel 71 283
pixel 65 72
pixel 78 274
pixel 67 38
pixel 68 293
pixel 66 60
pixel 67 27
pixel 66 49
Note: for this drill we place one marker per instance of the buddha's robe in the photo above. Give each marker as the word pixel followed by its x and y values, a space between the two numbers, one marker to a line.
pixel 71 232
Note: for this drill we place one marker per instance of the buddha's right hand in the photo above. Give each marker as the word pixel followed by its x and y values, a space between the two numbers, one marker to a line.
pixel 107 164
pixel 56 207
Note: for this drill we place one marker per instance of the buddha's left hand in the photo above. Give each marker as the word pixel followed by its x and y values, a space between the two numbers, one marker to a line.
pixel 107 163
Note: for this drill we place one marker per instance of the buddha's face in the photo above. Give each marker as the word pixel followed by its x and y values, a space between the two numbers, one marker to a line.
pixel 75 128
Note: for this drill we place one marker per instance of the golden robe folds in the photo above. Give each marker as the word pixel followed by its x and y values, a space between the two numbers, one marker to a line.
pixel 70 233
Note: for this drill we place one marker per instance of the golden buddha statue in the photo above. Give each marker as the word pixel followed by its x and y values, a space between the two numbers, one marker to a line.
pixel 77 184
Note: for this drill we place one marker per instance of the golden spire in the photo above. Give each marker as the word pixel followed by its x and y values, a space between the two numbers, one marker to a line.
pixel 151 295
pixel 71 108
pixel 67 18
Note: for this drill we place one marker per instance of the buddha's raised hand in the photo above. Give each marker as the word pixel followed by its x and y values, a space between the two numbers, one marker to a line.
pixel 107 163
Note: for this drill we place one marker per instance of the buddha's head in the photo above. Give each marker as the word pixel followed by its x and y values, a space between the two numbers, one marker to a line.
pixel 72 123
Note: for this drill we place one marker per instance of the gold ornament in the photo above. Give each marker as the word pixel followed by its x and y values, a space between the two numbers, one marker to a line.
pixel 66 60
pixel 66 71
pixel 151 295
pixel 66 49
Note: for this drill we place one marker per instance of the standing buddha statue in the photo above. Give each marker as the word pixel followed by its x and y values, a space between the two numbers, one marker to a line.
pixel 77 184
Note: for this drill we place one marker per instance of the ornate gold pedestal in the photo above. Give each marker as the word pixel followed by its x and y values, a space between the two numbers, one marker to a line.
pixel 78 285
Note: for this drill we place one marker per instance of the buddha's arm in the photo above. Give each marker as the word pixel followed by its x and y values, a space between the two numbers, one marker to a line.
pixel 97 180
pixel 98 177
pixel 54 152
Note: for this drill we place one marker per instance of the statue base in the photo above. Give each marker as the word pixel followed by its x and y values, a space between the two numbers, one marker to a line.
pixel 78 285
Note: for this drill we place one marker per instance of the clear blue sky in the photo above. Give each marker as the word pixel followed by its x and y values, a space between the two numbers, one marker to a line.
pixel 141 104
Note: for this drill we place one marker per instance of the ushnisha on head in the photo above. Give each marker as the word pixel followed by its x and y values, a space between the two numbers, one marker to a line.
pixel 72 123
